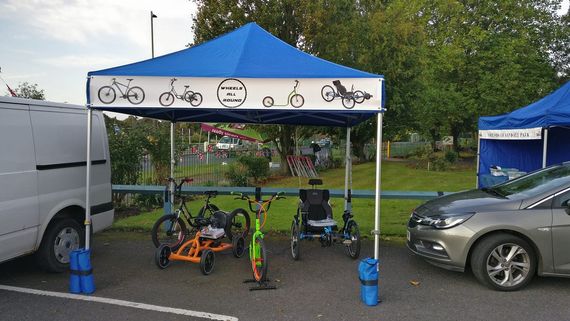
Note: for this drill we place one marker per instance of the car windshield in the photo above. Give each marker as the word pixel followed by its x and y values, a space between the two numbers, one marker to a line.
pixel 225 140
pixel 534 183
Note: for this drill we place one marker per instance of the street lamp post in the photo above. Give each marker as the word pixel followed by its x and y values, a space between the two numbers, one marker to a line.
pixel 152 16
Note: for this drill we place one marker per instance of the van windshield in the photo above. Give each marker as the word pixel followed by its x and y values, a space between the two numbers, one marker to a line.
pixel 225 140
pixel 535 183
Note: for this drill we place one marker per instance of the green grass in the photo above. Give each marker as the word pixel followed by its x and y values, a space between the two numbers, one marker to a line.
pixel 396 176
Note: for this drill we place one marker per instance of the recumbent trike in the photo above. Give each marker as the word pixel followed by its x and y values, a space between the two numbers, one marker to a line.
pixel 314 220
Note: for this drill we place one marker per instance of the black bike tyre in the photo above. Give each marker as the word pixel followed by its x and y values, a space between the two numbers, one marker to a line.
pixel 267 101
pixel 353 253
pixel 295 240
pixel 330 90
pixel 111 90
pixel 348 102
pixel 359 96
pixel 196 97
pixel 158 226
pixel 130 98
pixel 207 262
pixel 262 271
pixel 162 256
pixel 188 96
pixel 294 98
pixel 229 224
pixel 166 99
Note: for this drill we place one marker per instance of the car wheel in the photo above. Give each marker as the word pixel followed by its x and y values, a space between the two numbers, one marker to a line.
pixel 503 262
pixel 61 237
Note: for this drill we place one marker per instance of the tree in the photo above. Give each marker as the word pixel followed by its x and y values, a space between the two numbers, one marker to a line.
pixel 27 90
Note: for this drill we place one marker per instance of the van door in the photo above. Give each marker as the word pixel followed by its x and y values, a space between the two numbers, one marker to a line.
pixel 19 213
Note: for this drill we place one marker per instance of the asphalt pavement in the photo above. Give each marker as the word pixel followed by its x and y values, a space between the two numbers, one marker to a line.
pixel 323 285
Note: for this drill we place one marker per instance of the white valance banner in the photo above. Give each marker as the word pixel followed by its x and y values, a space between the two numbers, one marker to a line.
pixel 358 94
pixel 512 134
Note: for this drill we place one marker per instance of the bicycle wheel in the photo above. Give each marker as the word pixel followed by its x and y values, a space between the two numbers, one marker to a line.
pixel 135 95
pixel 166 99
pixel 170 231
pixel 188 96
pixel 348 102
pixel 327 92
pixel 297 100
pixel 353 248
pixel 196 99
pixel 268 101
pixel 295 239
pixel 106 94
pixel 258 257
pixel 358 96
pixel 238 224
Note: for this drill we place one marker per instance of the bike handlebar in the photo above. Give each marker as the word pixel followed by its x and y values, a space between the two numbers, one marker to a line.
pixel 268 201
pixel 182 181
pixel 296 84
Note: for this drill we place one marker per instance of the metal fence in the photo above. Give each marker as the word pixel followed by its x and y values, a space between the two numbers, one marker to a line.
pixel 208 166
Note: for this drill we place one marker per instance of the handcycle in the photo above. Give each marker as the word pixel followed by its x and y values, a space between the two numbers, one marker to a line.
pixel 107 94
pixel 257 249
pixel 167 98
pixel 210 232
pixel 296 100
pixel 314 220
pixel 349 98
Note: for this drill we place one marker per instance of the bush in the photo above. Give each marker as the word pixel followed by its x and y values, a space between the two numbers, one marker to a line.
pixel 248 168
pixel 258 167
pixel 440 164
pixel 148 201
pixel 237 174
pixel 451 156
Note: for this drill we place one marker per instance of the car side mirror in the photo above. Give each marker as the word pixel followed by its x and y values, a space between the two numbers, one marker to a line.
pixel 566 206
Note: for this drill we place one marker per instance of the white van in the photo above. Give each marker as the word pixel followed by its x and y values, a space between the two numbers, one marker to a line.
pixel 42 179
pixel 228 143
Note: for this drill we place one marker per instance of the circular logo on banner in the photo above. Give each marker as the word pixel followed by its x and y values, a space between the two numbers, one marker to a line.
pixel 232 93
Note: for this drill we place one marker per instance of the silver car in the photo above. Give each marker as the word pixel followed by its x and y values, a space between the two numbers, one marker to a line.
pixel 506 233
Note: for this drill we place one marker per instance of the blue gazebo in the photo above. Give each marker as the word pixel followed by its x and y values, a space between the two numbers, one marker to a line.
pixel 245 76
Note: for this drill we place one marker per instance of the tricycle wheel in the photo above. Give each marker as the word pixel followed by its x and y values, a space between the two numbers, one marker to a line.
pixel 238 246
pixel 295 239
pixel 207 262
pixel 162 256
pixel 237 224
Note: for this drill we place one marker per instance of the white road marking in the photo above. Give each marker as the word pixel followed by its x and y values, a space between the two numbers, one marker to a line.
pixel 129 304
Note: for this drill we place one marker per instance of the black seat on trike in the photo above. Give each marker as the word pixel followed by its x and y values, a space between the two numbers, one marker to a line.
pixel 315 208
pixel 341 89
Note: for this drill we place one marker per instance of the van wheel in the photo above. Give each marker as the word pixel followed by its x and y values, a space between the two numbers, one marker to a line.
pixel 61 237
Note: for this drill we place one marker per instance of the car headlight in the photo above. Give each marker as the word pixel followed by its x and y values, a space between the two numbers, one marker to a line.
pixel 446 220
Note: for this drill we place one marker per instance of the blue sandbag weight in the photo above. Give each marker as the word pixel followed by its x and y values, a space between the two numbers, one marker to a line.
pixel 368 274
pixel 86 272
pixel 74 279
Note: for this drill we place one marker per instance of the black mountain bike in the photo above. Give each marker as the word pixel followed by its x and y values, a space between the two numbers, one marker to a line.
pixel 170 229
pixel 167 98
pixel 107 94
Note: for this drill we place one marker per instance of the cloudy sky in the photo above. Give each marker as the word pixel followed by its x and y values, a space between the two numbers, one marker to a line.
pixel 54 43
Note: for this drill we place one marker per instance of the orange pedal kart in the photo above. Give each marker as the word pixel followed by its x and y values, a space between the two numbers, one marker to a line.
pixel 207 241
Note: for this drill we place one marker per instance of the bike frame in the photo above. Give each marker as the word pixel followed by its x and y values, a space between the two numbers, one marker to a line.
pixel 118 84
pixel 293 92
pixel 173 91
